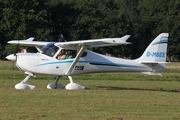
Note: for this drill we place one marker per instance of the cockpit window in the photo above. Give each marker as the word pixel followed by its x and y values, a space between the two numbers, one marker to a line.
pixel 50 49
pixel 66 54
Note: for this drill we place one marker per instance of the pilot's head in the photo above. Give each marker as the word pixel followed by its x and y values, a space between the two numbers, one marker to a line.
pixel 62 52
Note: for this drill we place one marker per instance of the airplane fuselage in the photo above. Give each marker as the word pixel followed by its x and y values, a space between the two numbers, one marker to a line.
pixel 38 63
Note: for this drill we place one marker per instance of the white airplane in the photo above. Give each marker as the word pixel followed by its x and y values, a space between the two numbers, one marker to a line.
pixel 84 60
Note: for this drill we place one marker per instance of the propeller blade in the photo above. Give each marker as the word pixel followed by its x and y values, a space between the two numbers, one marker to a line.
pixel 17 49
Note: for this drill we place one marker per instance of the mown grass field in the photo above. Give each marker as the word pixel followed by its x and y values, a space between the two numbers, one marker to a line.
pixel 108 96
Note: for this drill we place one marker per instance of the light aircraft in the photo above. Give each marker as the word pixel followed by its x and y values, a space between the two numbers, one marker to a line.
pixel 83 61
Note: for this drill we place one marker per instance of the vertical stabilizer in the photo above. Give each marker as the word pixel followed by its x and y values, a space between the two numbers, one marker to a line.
pixel 157 50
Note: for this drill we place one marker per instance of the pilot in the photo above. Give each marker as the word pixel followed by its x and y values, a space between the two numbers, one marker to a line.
pixel 22 50
pixel 61 55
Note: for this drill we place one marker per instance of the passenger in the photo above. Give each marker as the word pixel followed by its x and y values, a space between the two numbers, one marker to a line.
pixel 61 55
pixel 69 54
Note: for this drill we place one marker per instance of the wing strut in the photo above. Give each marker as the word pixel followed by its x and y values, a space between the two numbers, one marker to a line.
pixel 71 67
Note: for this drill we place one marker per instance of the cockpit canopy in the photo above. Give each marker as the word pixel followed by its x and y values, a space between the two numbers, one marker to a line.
pixel 50 49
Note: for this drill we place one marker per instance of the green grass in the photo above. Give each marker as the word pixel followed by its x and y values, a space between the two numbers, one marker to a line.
pixel 108 96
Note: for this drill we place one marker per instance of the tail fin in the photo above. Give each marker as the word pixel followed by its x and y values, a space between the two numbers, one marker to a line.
pixel 156 52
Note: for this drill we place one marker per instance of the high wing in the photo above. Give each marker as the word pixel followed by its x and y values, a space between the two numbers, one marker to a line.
pixel 75 44
pixel 28 42
pixel 93 42
pixel 83 45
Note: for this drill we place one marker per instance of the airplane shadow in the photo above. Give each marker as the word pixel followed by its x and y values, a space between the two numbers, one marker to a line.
pixel 138 89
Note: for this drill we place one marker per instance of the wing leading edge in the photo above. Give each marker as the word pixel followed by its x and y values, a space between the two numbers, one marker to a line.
pixel 93 42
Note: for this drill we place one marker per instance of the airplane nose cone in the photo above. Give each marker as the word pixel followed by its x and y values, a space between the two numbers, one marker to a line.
pixel 11 57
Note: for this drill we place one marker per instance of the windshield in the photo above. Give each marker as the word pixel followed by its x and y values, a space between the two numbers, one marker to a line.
pixel 50 49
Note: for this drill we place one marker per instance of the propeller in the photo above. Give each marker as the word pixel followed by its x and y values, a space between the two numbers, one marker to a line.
pixel 16 51
pixel 13 57
pixel 15 54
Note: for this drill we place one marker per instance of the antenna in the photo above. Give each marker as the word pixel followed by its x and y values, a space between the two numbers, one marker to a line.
pixel 61 38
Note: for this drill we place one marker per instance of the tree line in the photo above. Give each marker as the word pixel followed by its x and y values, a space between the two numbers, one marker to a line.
pixel 90 19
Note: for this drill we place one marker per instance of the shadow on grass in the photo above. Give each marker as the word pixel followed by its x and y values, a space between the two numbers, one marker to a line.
pixel 141 89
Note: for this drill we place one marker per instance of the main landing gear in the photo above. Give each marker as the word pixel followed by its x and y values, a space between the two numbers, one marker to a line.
pixel 70 86
pixel 55 85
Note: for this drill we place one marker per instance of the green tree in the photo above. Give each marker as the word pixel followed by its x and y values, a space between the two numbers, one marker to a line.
pixel 171 23
pixel 61 17
pixel 84 19
pixel 100 19
pixel 23 19
pixel 162 16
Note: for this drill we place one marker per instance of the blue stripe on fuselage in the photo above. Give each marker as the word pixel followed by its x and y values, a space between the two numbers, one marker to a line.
pixel 92 63
pixel 61 62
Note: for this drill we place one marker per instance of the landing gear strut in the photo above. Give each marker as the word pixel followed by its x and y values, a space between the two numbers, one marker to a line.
pixel 55 85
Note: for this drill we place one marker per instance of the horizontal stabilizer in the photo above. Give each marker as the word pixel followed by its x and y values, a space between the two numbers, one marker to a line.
pixel 153 62
pixel 152 73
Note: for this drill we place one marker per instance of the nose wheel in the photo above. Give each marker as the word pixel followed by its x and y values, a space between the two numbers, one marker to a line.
pixel 23 85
